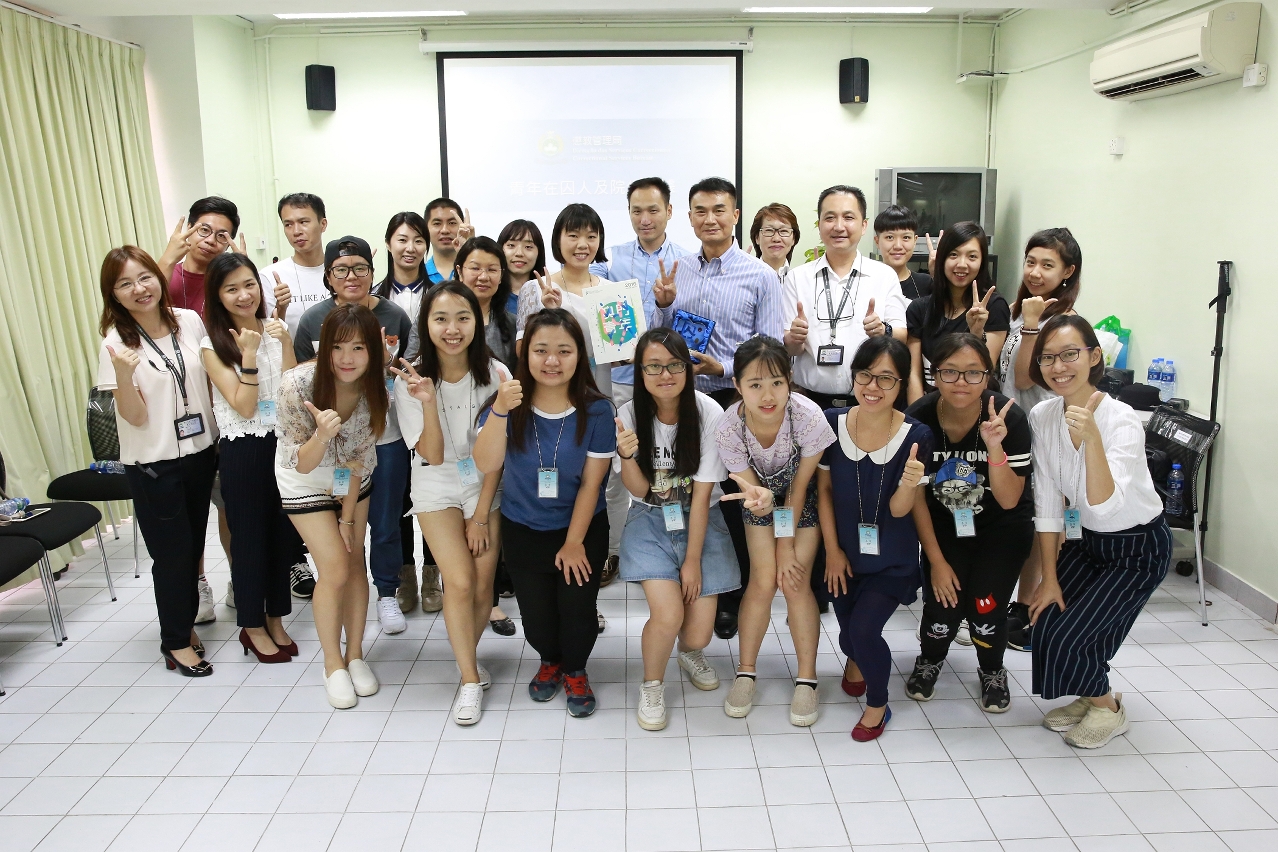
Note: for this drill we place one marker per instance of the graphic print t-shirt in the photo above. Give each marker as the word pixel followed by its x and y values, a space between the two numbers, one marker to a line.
pixel 665 487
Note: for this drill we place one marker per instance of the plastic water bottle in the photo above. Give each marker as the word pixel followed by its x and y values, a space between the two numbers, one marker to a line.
pixel 106 467
pixel 1154 378
pixel 13 507
pixel 1175 492
pixel 1167 389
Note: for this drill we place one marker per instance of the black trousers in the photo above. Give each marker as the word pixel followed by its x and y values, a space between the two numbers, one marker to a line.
pixel 264 542
pixel 171 501
pixel 987 566
pixel 559 617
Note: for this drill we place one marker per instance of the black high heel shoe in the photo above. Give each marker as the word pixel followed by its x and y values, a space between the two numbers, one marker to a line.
pixel 201 669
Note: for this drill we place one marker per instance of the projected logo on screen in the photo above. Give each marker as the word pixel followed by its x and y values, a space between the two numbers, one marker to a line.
pixel 550 145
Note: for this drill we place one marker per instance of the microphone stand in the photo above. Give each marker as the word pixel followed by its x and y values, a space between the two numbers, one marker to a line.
pixel 1221 303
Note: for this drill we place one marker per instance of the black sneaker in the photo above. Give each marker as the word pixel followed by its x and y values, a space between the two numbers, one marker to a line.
pixel 1018 627
pixel 301 582
pixel 921 685
pixel 995 697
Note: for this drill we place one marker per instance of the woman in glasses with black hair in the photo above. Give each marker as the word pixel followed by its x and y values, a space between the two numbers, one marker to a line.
pixel 977 526
pixel 1092 484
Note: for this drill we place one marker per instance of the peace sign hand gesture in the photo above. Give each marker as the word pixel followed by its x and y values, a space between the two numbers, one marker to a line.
pixel 420 388
pixel 178 240
pixel 931 252
pixel 873 323
pixel 663 288
pixel 979 313
pixel 914 469
pixel 551 295
pixel 465 230
pixel 327 422
pixel 247 340
pixel 755 498
pixel 994 430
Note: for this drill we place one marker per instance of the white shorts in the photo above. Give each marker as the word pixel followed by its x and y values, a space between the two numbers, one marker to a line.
pixel 301 493
pixel 434 488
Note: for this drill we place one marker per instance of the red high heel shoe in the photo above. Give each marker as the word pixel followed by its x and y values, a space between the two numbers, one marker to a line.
pixel 280 656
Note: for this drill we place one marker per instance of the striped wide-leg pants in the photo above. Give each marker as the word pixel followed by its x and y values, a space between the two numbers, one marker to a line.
pixel 1105 579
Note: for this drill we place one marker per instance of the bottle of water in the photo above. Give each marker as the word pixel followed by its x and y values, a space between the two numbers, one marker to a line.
pixel 1154 378
pixel 13 507
pixel 106 467
pixel 1175 492
pixel 1168 387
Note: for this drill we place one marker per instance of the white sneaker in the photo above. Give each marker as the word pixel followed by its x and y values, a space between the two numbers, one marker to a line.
pixel 963 635
pixel 230 594
pixel 652 705
pixel 389 615
pixel 362 676
pixel 205 613
pixel 469 704
pixel 702 673
pixel 1062 719
pixel 340 690
pixel 485 679
pixel 1099 726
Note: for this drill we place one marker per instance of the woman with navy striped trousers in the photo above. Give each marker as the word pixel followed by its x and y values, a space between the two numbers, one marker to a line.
pixel 1091 483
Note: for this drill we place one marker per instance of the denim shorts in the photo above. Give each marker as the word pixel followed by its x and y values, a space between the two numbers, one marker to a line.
pixel 648 552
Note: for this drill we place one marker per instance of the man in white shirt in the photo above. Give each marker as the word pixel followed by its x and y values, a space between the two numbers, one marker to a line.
pixel 833 304
pixel 302 215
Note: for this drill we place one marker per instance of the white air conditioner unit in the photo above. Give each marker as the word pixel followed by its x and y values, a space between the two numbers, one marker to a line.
pixel 1198 50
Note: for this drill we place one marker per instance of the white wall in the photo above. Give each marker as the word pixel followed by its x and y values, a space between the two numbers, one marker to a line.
pixel 1191 190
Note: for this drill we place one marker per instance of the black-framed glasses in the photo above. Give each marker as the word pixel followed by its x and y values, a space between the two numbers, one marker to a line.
pixel 783 233
pixel 222 238
pixel 342 272
pixel 971 377
pixel 674 368
pixel 885 381
pixel 1069 356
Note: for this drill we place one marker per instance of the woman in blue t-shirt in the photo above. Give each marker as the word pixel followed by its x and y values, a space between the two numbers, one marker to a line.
pixel 867 486
pixel 556 451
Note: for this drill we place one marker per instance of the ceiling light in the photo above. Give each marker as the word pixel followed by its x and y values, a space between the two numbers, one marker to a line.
pixel 837 10
pixel 330 16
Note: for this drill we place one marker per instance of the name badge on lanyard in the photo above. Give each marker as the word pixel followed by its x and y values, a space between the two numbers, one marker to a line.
pixel 189 426
pixel 868 535
pixel 548 483
pixel 1073 525
pixel 266 412
pixel 390 389
pixel 467 471
pixel 783 522
pixel 964 523
pixel 831 355
pixel 341 481
pixel 673 513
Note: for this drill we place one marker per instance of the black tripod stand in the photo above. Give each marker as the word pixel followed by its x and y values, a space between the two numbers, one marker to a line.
pixel 1221 303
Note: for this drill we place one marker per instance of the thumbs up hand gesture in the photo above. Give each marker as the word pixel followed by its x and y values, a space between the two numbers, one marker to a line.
pixel 627 441
pixel 125 362
pixel 1080 421
pixel 873 323
pixel 914 469
pixel 327 422
pixel 796 336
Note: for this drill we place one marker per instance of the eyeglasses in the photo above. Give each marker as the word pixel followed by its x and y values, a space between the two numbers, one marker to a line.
pixel 971 377
pixel 342 272
pixel 783 233
pixel 1069 356
pixel 478 270
pixel 144 280
pixel 222 238
pixel 674 368
pixel 884 381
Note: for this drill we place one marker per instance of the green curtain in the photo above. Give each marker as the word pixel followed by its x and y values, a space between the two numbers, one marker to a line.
pixel 77 177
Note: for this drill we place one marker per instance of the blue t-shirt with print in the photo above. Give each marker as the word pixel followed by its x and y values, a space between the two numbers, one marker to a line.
pixel 519 500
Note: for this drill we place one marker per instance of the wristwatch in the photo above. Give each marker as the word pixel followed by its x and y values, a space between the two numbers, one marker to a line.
pixel 887 328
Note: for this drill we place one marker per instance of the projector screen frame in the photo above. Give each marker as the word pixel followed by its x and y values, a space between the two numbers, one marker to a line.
pixel 737 55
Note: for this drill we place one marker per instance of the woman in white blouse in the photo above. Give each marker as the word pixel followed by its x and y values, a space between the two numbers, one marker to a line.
pixel 150 361
pixel 1091 482
pixel 246 355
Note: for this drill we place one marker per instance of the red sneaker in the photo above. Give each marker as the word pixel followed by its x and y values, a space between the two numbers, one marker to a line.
pixel 546 682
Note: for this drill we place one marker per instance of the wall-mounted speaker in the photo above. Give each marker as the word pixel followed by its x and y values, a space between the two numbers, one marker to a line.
pixel 321 87
pixel 854 80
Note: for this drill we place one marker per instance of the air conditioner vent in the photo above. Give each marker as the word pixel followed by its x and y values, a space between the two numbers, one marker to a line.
pixel 1160 82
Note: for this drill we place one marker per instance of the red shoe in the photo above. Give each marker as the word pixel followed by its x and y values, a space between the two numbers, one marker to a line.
pixel 855 688
pixel 862 734
pixel 280 656
pixel 546 682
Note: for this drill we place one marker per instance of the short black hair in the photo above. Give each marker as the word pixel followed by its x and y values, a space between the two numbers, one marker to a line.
pixel 575 217
pixel 447 203
pixel 896 218
pixel 713 185
pixel 843 189
pixel 948 345
pixel 650 183
pixel 215 204
pixel 885 344
pixel 301 199
pixel 1049 329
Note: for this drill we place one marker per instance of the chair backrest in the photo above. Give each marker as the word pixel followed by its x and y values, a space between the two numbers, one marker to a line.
pixel 99 420
pixel 1185 439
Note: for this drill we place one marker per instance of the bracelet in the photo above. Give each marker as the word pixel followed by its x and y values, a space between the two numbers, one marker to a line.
pixel 250 384
pixel 249 371
pixel 346 523
pixel 626 458
pixel 494 413
pixel 479 523
pixel 1029 331
pixel 1000 464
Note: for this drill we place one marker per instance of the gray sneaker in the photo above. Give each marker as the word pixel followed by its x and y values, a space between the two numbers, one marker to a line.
pixel 701 673
pixel 1063 718
pixel 652 706
pixel 230 594
pixel 205 613
pixel 740 698
pixel 1099 726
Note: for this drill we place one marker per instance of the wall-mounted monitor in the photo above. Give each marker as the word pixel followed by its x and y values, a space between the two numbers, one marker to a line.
pixel 940 197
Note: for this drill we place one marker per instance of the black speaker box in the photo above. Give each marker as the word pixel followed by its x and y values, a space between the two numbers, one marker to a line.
pixel 854 80
pixel 321 87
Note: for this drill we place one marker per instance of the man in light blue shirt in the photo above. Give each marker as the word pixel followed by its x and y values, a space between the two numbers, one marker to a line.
pixel 641 259
pixel 449 227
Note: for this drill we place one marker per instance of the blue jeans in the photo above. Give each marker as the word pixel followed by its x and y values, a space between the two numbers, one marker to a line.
pixel 390 478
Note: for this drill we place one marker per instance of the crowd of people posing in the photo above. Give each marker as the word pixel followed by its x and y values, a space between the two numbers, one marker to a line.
pixel 852 432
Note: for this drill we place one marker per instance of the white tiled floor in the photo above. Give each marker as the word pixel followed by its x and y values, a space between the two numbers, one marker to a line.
pixel 101 748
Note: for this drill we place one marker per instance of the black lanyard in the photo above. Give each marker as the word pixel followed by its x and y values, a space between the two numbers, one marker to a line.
pixel 837 317
pixel 179 372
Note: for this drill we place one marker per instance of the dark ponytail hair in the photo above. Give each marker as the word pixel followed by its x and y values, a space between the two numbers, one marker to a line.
pixel 1061 241
pixel 939 302
pixel 382 289
pixel 687 443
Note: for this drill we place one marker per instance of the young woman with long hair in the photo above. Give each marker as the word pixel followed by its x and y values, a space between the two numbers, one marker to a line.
pixel 437 400
pixel 331 412
pixel 150 361
pixel 676 542
pixel 771 441
pixel 525 250
pixel 246 356
pixel 556 448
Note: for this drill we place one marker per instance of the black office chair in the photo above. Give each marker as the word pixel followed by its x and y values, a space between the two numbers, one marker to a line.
pixel 19 554
pixel 1185 439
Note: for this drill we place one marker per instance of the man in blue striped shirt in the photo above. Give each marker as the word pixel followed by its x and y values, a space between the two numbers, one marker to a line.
pixel 721 283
